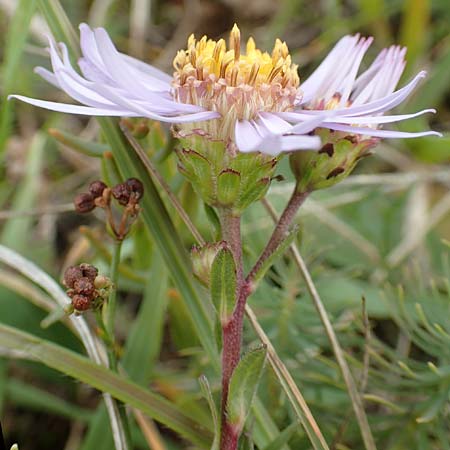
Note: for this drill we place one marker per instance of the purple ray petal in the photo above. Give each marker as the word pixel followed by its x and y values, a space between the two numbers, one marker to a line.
pixel 377 106
pixel 361 120
pixel 73 109
pixel 253 136
pixel 381 133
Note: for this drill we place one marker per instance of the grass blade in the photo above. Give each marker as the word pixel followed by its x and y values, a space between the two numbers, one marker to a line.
pixel 25 346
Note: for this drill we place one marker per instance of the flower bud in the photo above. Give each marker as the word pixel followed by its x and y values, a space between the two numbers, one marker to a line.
pixel 89 271
pixel 71 275
pixel 222 176
pixel 81 303
pixel 121 193
pixel 84 286
pixel 202 259
pixel 135 187
pixel 84 203
pixel 96 188
pixel 102 282
pixel 332 163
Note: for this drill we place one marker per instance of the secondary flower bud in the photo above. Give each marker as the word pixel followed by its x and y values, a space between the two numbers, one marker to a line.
pixel 84 203
pixel 135 187
pixel 71 275
pixel 89 271
pixel 332 163
pixel 121 193
pixel 96 188
pixel 84 286
pixel 81 303
pixel 202 259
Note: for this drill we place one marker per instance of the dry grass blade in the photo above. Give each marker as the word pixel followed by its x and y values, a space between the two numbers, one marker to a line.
pixel 93 347
pixel 149 431
pixel 353 392
pixel 295 397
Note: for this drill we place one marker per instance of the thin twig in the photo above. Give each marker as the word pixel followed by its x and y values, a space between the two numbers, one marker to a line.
pixel 338 352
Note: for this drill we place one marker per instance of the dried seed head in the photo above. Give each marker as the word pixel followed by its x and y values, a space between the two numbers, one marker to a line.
pixel 81 303
pixel 84 203
pixel 136 187
pixel 121 193
pixel 72 274
pixel 89 271
pixel 96 188
pixel 84 286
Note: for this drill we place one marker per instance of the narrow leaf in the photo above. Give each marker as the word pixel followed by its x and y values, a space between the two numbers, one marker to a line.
pixel 223 284
pixel 78 144
pixel 26 346
pixel 243 386
pixel 206 390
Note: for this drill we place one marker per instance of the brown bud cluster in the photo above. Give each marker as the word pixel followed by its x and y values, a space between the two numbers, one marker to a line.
pixel 81 283
pixel 129 191
pixel 126 194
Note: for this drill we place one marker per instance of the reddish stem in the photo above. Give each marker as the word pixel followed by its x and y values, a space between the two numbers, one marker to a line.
pixel 232 330
pixel 280 231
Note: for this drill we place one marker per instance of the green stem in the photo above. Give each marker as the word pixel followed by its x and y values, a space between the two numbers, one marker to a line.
pixel 112 300
pixel 106 323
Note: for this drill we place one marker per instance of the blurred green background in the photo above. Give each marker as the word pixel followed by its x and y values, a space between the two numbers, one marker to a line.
pixel 382 234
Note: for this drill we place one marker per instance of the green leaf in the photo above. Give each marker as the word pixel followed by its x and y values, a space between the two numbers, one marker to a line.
pixel 16 232
pixel 243 385
pixel 206 390
pixel 27 346
pixel 12 55
pixel 78 144
pixel 283 437
pixel 223 284
pixel 228 186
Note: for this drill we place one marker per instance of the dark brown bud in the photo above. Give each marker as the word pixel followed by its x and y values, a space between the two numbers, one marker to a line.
pixel 89 271
pixel 136 187
pixel 84 286
pixel 84 203
pixel 81 303
pixel 72 274
pixel 121 193
pixel 96 188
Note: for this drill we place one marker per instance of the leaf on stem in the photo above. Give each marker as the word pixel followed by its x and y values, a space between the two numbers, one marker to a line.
pixel 223 284
pixel 243 386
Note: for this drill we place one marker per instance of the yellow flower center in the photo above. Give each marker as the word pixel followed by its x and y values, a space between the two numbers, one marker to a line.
pixel 237 85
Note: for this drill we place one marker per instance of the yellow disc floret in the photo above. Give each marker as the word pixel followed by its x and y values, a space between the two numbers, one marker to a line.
pixel 237 85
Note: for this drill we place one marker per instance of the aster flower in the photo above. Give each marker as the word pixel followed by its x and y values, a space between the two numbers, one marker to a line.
pixel 356 104
pixel 218 90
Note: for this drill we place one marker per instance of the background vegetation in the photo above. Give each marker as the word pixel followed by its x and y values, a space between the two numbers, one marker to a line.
pixel 380 235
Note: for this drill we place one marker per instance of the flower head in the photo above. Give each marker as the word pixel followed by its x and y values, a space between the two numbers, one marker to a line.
pixel 230 95
pixel 223 101
pixel 356 104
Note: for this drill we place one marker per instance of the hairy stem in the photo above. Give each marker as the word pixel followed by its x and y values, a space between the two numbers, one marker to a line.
pixel 232 330
pixel 281 230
